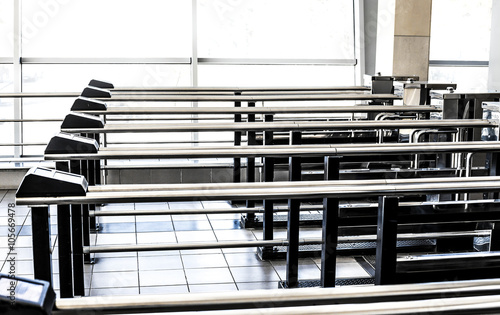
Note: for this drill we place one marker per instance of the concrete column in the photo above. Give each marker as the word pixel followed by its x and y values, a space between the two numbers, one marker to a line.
pixel 494 62
pixel 412 29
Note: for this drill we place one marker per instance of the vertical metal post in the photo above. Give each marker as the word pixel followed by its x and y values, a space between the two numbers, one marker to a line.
pixel 387 224
pixel 92 182
pixel 64 238
pixel 237 142
pixel 292 257
pixel 42 250
pixel 251 165
pixel 495 238
pixel 77 226
pixel 494 163
pixel 85 213
pixel 268 220
pixel 330 227
pixel 65 261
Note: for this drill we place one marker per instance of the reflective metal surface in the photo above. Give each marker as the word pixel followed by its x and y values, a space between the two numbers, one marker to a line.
pixel 287 126
pixel 448 297
pixel 272 190
pixel 281 150
pixel 250 98
pixel 259 110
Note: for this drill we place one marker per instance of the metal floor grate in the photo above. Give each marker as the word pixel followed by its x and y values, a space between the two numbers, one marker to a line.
pixel 338 282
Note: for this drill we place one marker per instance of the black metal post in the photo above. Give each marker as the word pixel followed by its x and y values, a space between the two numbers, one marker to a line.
pixel 85 213
pixel 385 264
pixel 93 178
pixel 65 243
pixel 495 238
pixel 330 227
pixel 251 140
pixel 42 250
pixel 292 257
pixel 237 142
pixel 77 226
pixel 494 163
pixel 268 220
pixel 65 259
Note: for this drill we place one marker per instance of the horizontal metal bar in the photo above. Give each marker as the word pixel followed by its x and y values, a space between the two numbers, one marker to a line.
pixel 32 120
pixel 198 92
pixel 454 305
pixel 105 213
pixel 272 190
pixel 6 60
pixel 259 110
pixel 40 94
pixel 458 63
pixel 368 184
pixel 170 142
pixel 21 144
pixel 288 126
pixel 304 207
pixel 283 242
pixel 198 97
pixel 240 89
pixel 280 150
pixel 276 61
pixel 251 98
pixel 356 296
pixel 337 90
pixel 183 246
pixel 35 60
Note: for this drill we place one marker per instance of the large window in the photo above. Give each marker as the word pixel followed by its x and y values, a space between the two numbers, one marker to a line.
pixel 66 43
pixel 106 29
pixel 460 42
pixel 308 29
pixel 6 29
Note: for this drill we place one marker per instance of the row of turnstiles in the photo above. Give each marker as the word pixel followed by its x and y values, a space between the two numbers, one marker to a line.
pixel 417 177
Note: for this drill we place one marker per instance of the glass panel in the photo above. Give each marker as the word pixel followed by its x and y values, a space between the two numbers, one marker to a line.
pixel 112 28
pixel 470 79
pixel 6 128
pixel 460 30
pixel 279 75
pixel 6 79
pixel 6 28
pixel 74 78
pixel 276 29
pixel 6 110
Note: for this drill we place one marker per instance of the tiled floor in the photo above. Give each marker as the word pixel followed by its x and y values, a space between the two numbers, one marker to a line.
pixel 156 272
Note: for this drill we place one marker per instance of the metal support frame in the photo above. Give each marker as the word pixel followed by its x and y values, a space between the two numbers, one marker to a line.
pixel 64 234
pixel 268 174
pixel 77 238
pixel 385 265
pixel 330 227
pixel 42 249
pixel 293 227
pixel 251 140
pixel 237 142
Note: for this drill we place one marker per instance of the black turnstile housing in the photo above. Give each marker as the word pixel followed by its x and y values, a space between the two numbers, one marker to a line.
pixel 21 296
pixel 84 103
pixel 91 91
pixel 70 143
pixel 101 84
pixel 44 182
pixel 80 120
